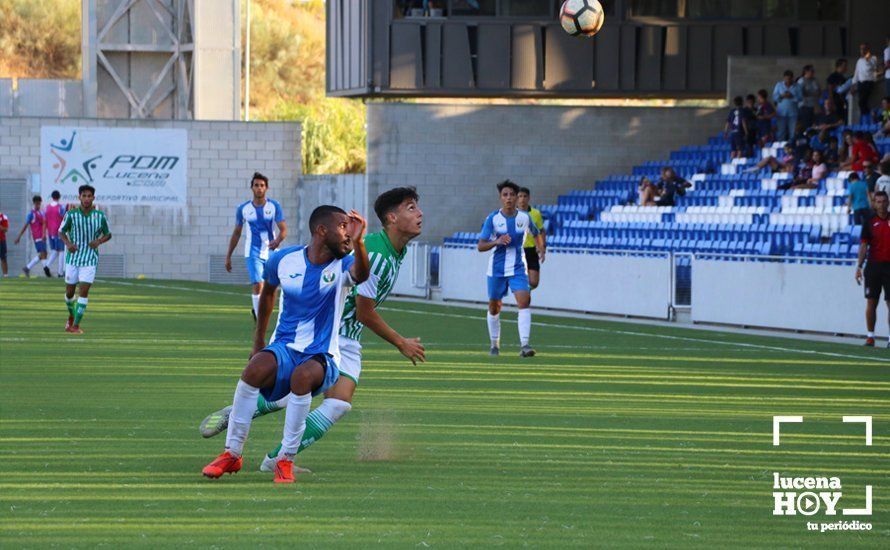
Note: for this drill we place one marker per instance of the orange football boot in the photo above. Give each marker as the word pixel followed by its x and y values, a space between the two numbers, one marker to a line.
pixel 284 471
pixel 224 463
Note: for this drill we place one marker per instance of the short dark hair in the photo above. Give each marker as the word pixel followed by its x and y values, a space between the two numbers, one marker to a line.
pixel 322 214
pixel 880 194
pixel 525 190
pixel 763 93
pixel 36 198
pixel 56 195
pixel 390 200
pixel 859 134
pixel 840 61
pixel 788 72
pixel 508 184
pixel 885 167
pixel 808 68
pixel 737 101
pixel 86 187
pixel 853 176
pixel 258 176
pixel 750 97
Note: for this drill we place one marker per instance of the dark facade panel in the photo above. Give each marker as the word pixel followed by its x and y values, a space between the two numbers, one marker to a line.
pixel 776 40
pixel 727 41
pixel 754 40
pixel 432 65
pixel 649 57
pixel 493 57
pixel 809 39
pixel 405 64
pixel 833 38
pixel 380 43
pixel 698 65
pixel 568 61
pixel 674 62
pixel 628 56
pixel 457 62
pixel 607 64
pixel 526 71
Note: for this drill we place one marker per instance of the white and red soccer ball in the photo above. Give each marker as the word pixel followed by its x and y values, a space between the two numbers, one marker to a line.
pixel 581 17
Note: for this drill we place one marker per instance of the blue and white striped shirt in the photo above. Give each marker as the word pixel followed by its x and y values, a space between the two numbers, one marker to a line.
pixel 509 260
pixel 312 298
pixel 261 222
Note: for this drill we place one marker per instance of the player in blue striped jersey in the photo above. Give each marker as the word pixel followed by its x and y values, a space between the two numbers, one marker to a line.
pixel 261 216
pixel 303 356
pixel 504 231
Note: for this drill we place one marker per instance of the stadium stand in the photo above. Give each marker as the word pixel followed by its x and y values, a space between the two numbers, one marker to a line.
pixel 726 212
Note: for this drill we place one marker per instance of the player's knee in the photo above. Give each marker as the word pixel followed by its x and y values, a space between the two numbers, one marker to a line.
pixel 306 378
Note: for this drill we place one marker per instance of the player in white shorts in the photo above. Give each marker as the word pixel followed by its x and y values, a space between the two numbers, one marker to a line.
pixel 402 221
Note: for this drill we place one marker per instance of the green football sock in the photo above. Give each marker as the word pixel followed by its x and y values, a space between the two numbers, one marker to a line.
pixel 264 407
pixel 79 310
pixel 316 426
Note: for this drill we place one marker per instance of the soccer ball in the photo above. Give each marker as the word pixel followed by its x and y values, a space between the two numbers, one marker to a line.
pixel 581 17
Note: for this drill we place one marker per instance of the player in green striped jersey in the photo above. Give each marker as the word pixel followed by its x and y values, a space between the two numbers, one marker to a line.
pixel 402 221
pixel 83 231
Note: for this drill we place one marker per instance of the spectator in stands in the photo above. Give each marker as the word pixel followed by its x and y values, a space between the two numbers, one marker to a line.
pixel 882 117
pixel 647 191
pixel 736 128
pixel 837 86
pixel 858 199
pixel 831 157
pixel 883 182
pixel 803 174
pixel 870 175
pixel 828 119
pixel 818 172
pixel 819 142
pixel 865 76
pixel 748 113
pixel 765 114
pixel 887 66
pixel 861 151
pixel 846 148
pixel 669 186
pixel 787 96
pixel 875 245
pixel 810 92
pixel 787 162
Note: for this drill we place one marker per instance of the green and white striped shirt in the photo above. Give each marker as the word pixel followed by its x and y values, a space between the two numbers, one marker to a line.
pixel 385 264
pixel 81 229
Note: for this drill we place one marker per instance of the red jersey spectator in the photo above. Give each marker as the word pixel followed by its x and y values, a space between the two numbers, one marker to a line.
pixel 861 151
pixel 875 246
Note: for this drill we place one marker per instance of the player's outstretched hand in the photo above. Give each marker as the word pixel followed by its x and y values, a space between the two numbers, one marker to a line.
pixel 859 276
pixel 229 264
pixel 357 226
pixel 413 350
pixel 541 254
pixel 503 240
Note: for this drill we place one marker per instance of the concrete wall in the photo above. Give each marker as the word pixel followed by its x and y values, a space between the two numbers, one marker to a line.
pixel 177 244
pixel 455 154
pixel 747 74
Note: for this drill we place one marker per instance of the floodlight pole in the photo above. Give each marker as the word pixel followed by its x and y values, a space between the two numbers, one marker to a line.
pixel 247 69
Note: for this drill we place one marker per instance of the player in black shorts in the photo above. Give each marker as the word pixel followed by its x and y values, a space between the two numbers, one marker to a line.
pixel 875 246
pixel 533 257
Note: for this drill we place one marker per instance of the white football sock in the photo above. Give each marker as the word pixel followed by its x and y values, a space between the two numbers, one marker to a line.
pixel 61 263
pixel 45 263
pixel 494 329
pixel 282 403
pixel 525 325
pixel 255 299
pixel 333 409
pixel 33 262
pixel 243 406
pixel 871 334
pixel 52 256
pixel 294 424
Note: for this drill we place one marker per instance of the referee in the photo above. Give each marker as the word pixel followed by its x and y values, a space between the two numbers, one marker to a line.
pixel 876 245
pixel 533 257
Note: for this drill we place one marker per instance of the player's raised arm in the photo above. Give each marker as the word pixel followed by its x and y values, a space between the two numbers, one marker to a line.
pixel 361 268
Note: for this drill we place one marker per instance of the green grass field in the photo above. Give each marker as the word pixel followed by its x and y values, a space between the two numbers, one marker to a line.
pixel 615 435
